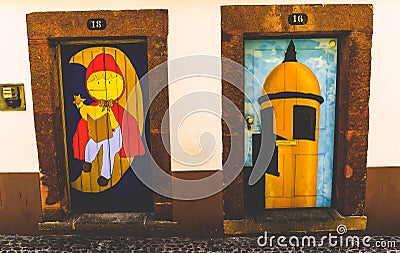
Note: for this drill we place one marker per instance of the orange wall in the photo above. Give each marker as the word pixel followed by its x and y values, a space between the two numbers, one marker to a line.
pixel 20 207
pixel 382 200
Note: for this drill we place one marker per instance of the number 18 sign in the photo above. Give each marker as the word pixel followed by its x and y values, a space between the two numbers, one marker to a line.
pixel 96 24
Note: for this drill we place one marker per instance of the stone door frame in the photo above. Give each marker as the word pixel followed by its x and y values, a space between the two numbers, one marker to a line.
pixel 352 25
pixel 45 31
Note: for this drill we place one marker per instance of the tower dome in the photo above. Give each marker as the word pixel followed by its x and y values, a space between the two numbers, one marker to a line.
pixel 291 77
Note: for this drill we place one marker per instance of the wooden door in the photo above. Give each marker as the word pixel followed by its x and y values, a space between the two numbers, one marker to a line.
pixel 304 125
pixel 104 133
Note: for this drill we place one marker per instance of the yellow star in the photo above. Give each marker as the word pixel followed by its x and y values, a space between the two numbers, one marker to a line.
pixel 78 99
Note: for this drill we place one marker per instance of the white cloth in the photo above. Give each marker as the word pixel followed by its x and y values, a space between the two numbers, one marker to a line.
pixel 111 147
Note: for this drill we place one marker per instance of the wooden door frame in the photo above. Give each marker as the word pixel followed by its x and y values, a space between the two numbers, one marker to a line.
pixel 45 29
pixel 352 25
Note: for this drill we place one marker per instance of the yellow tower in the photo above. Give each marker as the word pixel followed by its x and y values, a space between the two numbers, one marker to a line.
pixel 294 93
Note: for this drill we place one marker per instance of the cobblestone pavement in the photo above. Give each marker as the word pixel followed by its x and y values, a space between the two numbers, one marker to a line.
pixel 79 243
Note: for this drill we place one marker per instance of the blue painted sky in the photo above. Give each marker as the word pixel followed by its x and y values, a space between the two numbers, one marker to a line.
pixel 320 55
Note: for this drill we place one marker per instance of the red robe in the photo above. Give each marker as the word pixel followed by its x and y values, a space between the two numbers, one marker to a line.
pixel 132 144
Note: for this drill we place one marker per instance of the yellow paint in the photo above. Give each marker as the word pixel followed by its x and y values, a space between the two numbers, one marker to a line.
pixel 87 181
pixel 105 85
pixel 297 159
pixel 287 143
pixel 291 76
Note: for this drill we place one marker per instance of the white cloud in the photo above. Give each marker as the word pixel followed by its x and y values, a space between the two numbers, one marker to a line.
pixel 273 60
pixel 317 62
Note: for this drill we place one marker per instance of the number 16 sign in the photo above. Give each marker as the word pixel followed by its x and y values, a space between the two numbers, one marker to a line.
pixel 298 19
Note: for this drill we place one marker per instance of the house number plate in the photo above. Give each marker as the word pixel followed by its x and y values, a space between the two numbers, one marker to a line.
pixel 298 19
pixel 96 24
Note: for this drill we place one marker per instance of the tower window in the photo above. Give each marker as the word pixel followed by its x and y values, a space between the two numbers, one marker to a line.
pixel 304 122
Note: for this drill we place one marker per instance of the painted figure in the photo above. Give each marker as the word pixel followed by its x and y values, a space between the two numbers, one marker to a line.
pixel 104 123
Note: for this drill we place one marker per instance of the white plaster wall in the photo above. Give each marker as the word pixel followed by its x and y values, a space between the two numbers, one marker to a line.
pixel 194 28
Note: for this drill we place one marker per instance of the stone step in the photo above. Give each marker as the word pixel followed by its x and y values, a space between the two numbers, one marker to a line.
pixel 294 220
pixel 139 222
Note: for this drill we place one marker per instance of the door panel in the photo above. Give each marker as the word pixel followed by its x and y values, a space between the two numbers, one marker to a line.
pixel 305 184
pixel 104 133
pixel 275 183
pixel 297 179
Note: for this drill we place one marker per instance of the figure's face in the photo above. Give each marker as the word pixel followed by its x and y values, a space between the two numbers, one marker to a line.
pixel 105 85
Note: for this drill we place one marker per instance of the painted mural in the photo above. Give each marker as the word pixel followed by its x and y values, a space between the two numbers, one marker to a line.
pixel 299 77
pixel 104 132
pixel 102 125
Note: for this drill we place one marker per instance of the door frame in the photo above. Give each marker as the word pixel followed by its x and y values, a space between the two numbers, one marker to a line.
pixel 45 31
pixel 352 25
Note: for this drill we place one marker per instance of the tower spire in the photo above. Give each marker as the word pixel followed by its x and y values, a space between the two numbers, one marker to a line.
pixel 290 55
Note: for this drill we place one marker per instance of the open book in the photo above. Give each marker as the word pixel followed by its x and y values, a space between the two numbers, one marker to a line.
pixel 100 129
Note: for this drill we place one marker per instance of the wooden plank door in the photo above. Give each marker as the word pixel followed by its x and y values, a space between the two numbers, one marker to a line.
pixel 103 132
pixel 298 185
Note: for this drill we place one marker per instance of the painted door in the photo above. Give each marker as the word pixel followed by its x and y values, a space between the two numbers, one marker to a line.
pixel 105 126
pixel 303 95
